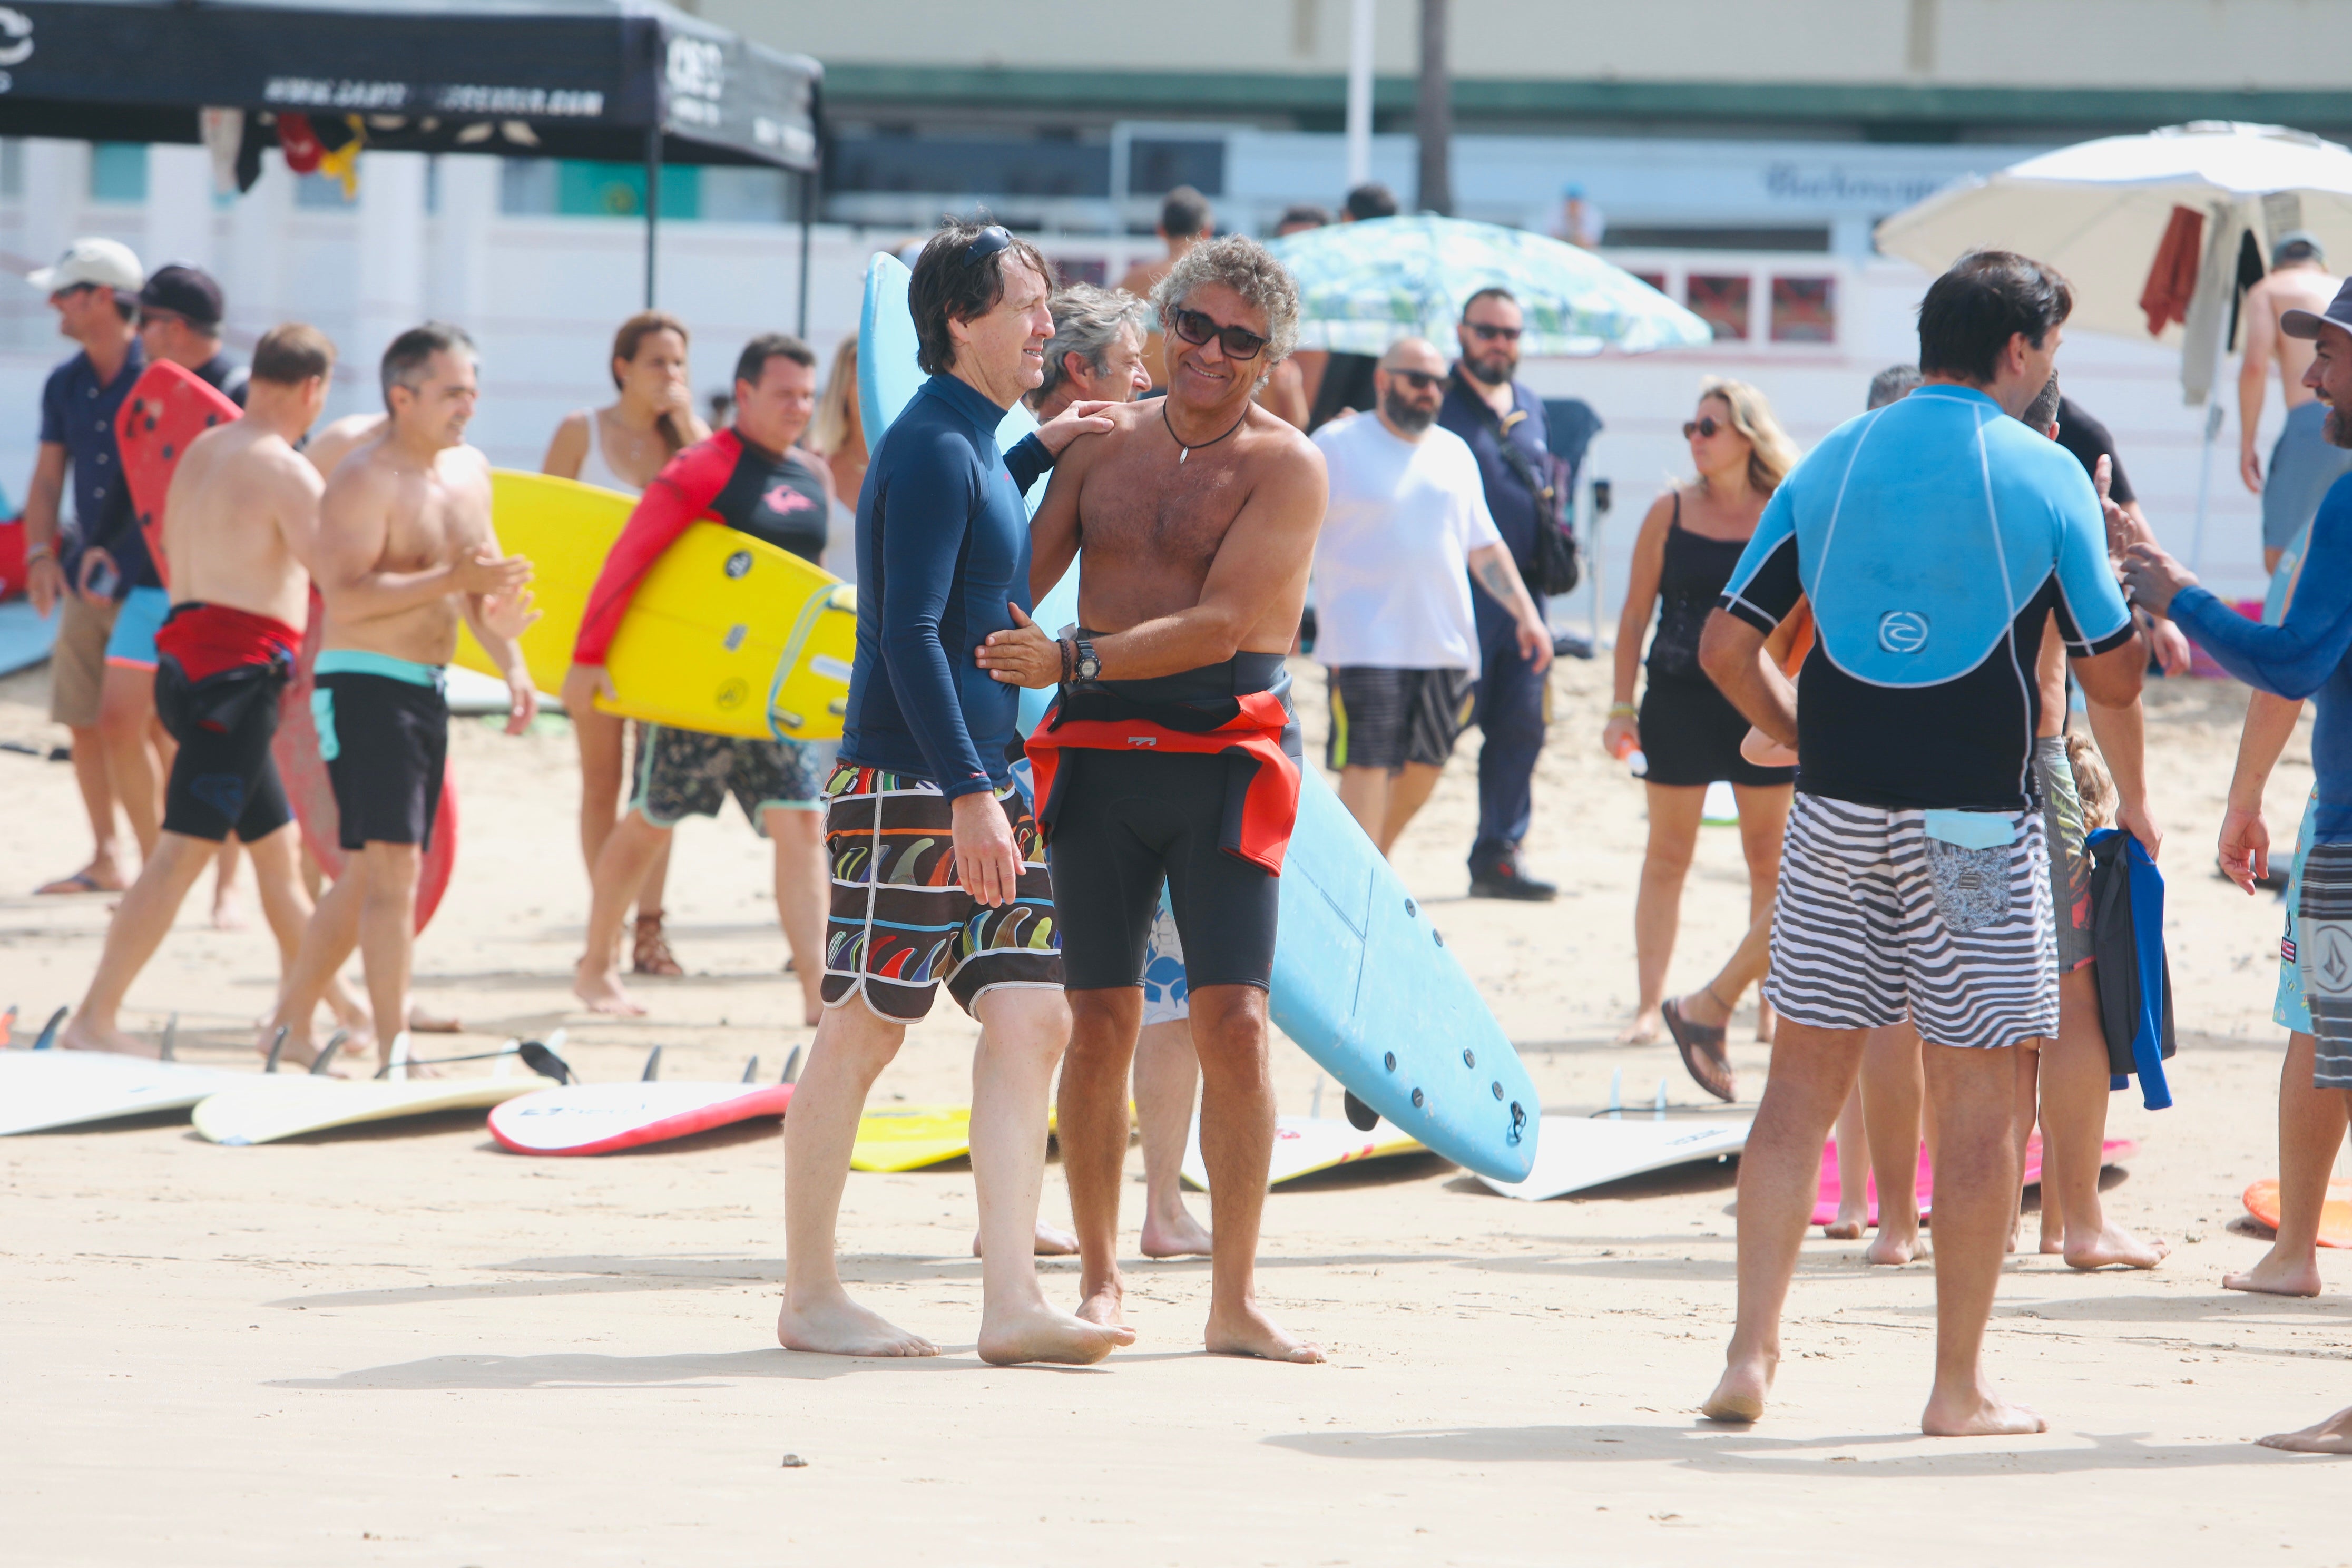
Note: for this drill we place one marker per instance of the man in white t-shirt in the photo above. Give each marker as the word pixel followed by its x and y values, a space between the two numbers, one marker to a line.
pixel 1406 531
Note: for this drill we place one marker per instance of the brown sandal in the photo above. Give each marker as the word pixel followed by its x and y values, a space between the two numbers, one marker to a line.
pixel 1701 1046
pixel 651 954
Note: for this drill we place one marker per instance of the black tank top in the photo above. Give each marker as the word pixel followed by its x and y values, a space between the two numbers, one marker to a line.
pixel 1692 579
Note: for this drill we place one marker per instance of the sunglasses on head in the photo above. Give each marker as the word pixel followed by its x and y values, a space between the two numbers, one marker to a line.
pixel 1487 332
pixel 1702 427
pixel 1419 380
pixel 989 241
pixel 1239 342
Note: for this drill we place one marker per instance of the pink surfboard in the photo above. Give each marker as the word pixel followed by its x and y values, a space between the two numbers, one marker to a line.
pixel 169 406
pixel 1825 1207
pixel 608 1117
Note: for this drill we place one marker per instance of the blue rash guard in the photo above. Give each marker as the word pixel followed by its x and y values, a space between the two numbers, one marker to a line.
pixel 1934 537
pixel 2304 656
pixel 942 546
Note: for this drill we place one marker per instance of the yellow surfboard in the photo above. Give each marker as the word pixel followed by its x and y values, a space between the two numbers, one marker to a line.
pixel 727 635
pixel 908 1137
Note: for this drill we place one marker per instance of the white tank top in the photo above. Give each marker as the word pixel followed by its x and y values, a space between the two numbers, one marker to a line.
pixel 594 469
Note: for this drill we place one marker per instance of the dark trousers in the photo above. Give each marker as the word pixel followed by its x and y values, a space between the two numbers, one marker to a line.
pixel 1511 707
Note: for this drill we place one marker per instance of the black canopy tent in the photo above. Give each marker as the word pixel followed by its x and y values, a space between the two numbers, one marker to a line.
pixel 613 80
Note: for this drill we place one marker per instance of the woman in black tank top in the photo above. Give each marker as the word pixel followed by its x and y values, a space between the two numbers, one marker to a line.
pixel 1687 732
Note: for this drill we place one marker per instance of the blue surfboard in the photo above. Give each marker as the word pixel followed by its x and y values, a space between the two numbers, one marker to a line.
pixel 1362 981
pixel 26 635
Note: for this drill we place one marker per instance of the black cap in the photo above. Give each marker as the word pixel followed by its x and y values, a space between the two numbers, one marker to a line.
pixel 185 292
pixel 2306 323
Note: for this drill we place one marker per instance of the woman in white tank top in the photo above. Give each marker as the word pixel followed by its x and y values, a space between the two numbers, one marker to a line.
pixel 622 447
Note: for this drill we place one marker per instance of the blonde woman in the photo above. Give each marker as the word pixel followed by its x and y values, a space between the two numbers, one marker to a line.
pixel 837 432
pixel 622 447
pixel 1688 731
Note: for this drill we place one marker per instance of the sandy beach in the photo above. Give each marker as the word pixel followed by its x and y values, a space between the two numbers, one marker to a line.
pixel 406 1346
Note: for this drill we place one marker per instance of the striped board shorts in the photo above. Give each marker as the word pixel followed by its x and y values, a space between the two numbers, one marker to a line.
pixel 901 925
pixel 1874 919
pixel 2290 1011
pixel 2323 954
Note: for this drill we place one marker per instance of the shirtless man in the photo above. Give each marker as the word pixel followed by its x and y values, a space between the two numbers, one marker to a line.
pixel 1192 583
pixel 240 528
pixel 2302 464
pixel 404 551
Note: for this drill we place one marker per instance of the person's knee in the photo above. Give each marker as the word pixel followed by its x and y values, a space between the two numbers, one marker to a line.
pixel 393 869
pixel 1228 1026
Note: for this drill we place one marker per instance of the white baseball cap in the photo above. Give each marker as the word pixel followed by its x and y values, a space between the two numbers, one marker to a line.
pixel 105 263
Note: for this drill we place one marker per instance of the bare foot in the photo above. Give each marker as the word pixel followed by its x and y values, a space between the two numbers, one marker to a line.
pixel 79 1035
pixel 1739 1395
pixel 1978 1413
pixel 1180 1237
pixel 1105 1304
pixel 2053 1243
pixel 421 1022
pixel 228 910
pixel 2277 1276
pixel 1251 1332
pixel 1052 1241
pixel 1039 1332
pixel 1849 1224
pixel 839 1326
pixel 2114 1247
pixel 600 990
pixel 1646 1029
pixel 2333 1435
pixel 1894 1249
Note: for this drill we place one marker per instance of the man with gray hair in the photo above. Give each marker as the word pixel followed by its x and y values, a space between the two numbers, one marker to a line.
pixel 1172 752
pixel 1096 350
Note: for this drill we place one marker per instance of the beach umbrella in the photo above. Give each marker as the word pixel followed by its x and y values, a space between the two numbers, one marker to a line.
pixel 1362 286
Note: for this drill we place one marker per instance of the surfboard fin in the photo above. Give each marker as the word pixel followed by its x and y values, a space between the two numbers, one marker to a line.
pixel 1616 1106
pixel 165 1048
pixel 49 1037
pixel 395 1067
pixel 541 1059
pixel 276 1049
pixel 318 1064
pixel 792 1067
pixel 653 1067
pixel 1658 1106
pixel 1360 1117
pixel 751 1070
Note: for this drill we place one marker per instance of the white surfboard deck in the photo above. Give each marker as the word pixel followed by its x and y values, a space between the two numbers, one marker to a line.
pixel 606 1118
pixel 265 1109
pixel 1579 1151
pixel 45 1089
pixel 1306 1144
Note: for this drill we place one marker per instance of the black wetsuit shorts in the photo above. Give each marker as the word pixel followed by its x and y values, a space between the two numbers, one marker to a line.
pixel 223 777
pixel 384 732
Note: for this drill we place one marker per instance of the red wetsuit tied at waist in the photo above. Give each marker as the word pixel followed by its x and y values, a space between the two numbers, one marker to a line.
pixel 206 639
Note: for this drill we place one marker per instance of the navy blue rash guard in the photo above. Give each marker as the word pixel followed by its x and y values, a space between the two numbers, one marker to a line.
pixel 942 545
pixel 2304 656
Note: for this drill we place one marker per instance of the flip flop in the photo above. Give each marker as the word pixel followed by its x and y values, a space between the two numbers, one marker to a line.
pixel 1700 1043
pixel 80 882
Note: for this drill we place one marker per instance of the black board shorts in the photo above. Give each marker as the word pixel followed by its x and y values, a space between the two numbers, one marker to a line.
pixel 223 777
pixel 385 742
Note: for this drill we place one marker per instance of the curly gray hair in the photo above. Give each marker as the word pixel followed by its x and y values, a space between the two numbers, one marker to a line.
pixel 1087 322
pixel 1249 269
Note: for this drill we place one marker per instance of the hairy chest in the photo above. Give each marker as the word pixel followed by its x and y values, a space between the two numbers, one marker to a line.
pixel 1146 505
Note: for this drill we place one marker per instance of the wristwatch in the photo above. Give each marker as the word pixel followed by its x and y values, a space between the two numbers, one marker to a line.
pixel 1087 666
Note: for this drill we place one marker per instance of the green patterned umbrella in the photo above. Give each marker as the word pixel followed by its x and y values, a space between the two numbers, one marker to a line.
pixel 1362 286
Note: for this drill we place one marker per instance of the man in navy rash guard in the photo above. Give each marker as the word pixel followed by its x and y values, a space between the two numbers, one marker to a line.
pixel 938 873
pixel 2309 653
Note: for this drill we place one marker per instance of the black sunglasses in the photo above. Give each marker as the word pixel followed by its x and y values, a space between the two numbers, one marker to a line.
pixel 1239 342
pixel 989 240
pixel 1704 426
pixel 1419 380
pixel 1489 333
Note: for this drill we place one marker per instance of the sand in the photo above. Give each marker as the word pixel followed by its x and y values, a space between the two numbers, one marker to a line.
pixel 406 1346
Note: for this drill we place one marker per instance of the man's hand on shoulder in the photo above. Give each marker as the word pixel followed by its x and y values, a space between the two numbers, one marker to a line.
pixel 1084 418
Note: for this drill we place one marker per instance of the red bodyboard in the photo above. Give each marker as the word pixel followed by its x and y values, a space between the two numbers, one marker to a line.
pixel 1825 1205
pixel 304 773
pixel 169 406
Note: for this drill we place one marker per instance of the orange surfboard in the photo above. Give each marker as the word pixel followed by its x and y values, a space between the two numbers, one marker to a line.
pixel 168 407
pixel 2334 1217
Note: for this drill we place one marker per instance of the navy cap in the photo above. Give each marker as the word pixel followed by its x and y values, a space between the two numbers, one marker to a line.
pixel 185 292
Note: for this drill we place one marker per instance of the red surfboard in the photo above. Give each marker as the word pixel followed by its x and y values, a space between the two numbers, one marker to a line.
pixel 1825 1207
pixel 312 794
pixel 606 1118
pixel 169 406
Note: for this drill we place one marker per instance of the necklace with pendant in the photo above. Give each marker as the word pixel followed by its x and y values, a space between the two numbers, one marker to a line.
pixel 1184 451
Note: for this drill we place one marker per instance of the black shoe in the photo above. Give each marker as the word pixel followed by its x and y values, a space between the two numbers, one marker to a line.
pixel 1503 878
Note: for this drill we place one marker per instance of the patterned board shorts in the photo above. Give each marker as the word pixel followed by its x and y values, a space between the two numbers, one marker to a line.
pixel 686 772
pixel 2323 954
pixel 2070 863
pixel 1874 918
pixel 2290 1010
pixel 901 925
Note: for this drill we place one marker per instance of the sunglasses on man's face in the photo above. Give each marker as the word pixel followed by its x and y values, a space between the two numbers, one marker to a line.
pixel 1419 380
pixel 1487 332
pixel 1239 342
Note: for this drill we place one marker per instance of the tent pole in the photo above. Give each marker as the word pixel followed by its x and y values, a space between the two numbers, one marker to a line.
pixel 808 216
pixel 653 203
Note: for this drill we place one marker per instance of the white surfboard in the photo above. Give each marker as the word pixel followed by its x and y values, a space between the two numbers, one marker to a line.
pixel 606 1118
pixel 1306 1144
pixel 1579 1151
pixel 45 1089
pixel 263 1110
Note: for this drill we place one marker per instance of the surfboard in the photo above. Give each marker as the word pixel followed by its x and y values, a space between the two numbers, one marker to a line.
pixel 312 794
pixel 2262 1201
pixel 169 406
pixel 26 635
pixel 908 1137
pixel 1825 1205
pixel 728 634
pixel 42 1090
pixel 1306 1144
pixel 1362 981
pixel 1580 1152
pixel 268 1109
pixel 606 1118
